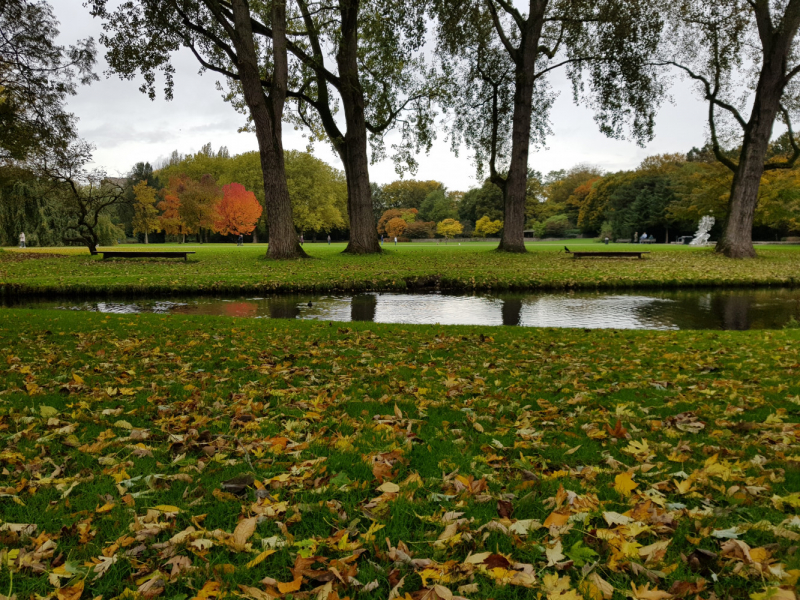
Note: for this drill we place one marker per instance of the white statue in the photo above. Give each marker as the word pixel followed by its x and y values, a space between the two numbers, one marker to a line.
pixel 703 228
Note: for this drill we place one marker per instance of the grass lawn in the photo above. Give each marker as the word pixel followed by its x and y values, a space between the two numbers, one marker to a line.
pixel 211 457
pixel 232 269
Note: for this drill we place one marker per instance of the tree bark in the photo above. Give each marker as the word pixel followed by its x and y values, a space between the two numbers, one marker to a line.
pixel 363 235
pixel 737 238
pixel 267 115
pixel 515 186
pixel 145 238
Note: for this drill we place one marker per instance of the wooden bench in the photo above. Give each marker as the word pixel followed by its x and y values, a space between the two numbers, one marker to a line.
pixel 143 254
pixel 604 254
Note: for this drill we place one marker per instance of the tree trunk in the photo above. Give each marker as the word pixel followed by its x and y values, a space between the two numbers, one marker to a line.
pixel 737 239
pixel 363 235
pixel 267 115
pixel 145 238
pixel 515 188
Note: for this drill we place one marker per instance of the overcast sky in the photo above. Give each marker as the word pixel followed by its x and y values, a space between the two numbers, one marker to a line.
pixel 126 127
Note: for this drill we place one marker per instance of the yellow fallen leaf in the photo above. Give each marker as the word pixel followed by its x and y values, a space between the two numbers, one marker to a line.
pixel 107 507
pixel 167 508
pixel 478 427
pixel 72 592
pixel 260 558
pixel 389 487
pixel 624 484
pixel 645 593
pixel 556 519
pixel 291 586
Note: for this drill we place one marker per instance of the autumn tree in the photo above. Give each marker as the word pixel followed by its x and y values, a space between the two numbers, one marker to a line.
pixel 502 54
pixel 395 227
pixel 142 36
pixel 407 215
pixel 485 226
pixel 420 229
pixel 449 228
pixel 170 218
pixel 731 49
pixel 197 200
pixel 238 211
pixel 145 217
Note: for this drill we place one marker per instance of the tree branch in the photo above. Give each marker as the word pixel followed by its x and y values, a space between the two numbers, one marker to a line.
pixel 795 148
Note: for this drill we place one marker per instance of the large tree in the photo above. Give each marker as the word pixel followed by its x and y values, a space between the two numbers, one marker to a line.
pixel 142 35
pixel 503 54
pixel 365 56
pixel 36 77
pixel 741 53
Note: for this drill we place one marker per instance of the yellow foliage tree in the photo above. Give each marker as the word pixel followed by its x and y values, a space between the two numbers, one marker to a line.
pixel 145 215
pixel 485 226
pixel 449 228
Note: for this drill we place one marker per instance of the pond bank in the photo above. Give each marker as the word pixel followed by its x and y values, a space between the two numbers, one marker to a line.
pixel 412 267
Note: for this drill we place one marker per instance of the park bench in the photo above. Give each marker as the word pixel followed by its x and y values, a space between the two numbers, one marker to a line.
pixel 143 254
pixel 604 254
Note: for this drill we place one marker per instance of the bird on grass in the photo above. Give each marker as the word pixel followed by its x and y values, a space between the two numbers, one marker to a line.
pixel 566 249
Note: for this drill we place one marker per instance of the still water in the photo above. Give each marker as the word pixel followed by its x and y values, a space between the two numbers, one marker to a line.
pixel 693 309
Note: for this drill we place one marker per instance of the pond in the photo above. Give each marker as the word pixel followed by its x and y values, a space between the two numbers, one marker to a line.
pixel 688 309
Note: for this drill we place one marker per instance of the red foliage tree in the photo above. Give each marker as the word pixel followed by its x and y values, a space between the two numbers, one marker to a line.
pixel 238 212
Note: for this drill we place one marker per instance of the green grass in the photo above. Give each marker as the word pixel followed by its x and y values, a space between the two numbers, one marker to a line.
pixel 470 266
pixel 106 418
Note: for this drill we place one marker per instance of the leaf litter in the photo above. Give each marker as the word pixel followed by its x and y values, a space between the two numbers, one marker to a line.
pixel 173 457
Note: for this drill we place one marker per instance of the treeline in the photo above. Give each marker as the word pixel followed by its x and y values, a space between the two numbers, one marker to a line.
pixel 205 196
pixel 664 197
pixel 190 186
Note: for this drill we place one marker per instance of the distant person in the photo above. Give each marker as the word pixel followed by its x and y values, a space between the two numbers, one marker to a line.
pixel 643 238
pixel 381 239
pixel 395 240
pixel 241 239
pixel 606 240
pixel 22 240
pixel 636 237
pixel 302 241
pixel 329 239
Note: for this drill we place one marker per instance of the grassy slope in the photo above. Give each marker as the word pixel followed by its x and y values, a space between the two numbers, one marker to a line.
pixel 470 266
pixel 103 418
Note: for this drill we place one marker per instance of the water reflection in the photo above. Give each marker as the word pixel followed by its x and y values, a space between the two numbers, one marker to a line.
pixel 692 309
pixel 362 307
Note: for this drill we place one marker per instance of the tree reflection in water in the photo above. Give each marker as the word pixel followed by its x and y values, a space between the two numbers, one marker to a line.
pixel 283 308
pixel 512 311
pixel 362 307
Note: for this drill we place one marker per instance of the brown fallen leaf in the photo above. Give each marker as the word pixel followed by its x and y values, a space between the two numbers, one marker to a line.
pixel 244 530
pixel 504 509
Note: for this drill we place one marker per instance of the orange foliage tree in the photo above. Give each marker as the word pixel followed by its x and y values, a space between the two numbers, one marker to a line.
pixel 189 205
pixel 395 227
pixel 238 212
pixel 171 221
